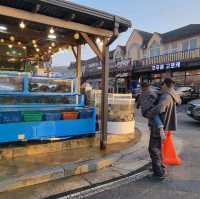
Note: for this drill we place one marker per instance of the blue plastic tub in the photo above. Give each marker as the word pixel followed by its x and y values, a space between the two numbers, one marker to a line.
pixel 85 114
pixel 10 117
pixel 48 116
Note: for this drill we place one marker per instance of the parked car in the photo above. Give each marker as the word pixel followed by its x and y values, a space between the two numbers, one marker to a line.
pixel 193 109
pixel 187 93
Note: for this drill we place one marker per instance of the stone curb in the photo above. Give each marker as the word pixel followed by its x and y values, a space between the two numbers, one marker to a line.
pixel 66 170
pixel 48 174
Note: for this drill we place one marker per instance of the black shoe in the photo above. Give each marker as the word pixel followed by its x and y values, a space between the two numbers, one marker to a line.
pixel 157 178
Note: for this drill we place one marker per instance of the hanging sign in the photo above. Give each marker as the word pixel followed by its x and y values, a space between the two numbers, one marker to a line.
pixel 172 65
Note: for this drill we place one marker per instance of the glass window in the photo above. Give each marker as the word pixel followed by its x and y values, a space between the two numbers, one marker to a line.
pixel 145 55
pixel 166 49
pixel 185 45
pixel 154 50
pixel 193 43
pixel 174 47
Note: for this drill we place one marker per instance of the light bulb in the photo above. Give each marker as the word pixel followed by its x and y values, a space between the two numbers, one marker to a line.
pixel 52 31
pixel 33 41
pixel 2 40
pixel 24 47
pixel 10 46
pixel 98 40
pixel 35 45
pixel 53 44
pixel 37 49
pixel 22 25
pixel 12 38
pixel 50 47
pixel 76 36
pixel 19 43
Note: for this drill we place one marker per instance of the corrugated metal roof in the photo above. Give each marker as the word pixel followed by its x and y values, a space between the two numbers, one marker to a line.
pixel 70 11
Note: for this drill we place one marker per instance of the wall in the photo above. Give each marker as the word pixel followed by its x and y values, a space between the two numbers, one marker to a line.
pixel 134 46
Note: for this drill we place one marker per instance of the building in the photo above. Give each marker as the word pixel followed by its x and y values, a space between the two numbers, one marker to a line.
pixel 151 57
pixel 173 54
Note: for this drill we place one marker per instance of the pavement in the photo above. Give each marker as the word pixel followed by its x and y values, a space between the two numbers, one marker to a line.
pixel 117 161
pixel 123 161
pixel 183 181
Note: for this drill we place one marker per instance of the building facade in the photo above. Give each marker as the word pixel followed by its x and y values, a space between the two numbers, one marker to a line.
pixel 173 54
pixel 151 57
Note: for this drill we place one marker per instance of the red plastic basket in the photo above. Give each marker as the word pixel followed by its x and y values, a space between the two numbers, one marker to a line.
pixel 70 115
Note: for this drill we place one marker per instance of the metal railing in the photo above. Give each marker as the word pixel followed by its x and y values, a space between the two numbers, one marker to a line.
pixel 187 55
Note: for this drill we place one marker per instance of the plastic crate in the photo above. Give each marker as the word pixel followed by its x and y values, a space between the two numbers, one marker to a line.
pixel 70 115
pixel 10 117
pixel 85 114
pixel 32 116
pixel 52 116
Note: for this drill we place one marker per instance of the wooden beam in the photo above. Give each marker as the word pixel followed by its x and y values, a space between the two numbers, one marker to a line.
pixel 92 45
pixel 78 68
pixel 75 52
pixel 104 96
pixel 43 19
pixel 36 8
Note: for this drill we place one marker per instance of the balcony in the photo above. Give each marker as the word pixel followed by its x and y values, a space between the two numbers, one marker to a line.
pixel 148 64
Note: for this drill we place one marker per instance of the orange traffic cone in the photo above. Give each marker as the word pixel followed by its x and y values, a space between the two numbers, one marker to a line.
pixel 169 152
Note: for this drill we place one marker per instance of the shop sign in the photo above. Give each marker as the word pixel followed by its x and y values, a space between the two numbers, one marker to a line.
pixel 172 65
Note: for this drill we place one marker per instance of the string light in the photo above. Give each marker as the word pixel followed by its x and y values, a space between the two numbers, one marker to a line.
pixel 2 40
pixel 51 31
pixel 19 43
pixel 50 47
pixel 33 41
pixel 37 49
pixel 24 47
pixel 76 36
pixel 53 44
pixel 35 45
pixel 22 25
pixel 12 38
pixel 98 40
pixel 10 46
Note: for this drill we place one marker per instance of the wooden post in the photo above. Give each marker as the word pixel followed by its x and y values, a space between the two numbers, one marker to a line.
pixel 78 68
pixel 104 96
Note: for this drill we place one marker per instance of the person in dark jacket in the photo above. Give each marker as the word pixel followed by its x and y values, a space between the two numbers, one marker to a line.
pixel 166 108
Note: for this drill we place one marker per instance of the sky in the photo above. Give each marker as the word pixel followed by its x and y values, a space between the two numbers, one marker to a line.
pixel 148 15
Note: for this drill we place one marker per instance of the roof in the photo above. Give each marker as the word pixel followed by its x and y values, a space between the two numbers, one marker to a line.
pixel 181 33
pixel 146 36
pixel 67 10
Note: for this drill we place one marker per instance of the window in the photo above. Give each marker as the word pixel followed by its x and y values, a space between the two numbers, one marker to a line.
pixel 185 45
pixel 193 43
pixel 166 49
pixel 174 47
pixel 145 53
pixel 189 44
pixel 154 50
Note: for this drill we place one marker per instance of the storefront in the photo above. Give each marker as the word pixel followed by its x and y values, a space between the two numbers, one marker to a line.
pixel 182 72
pixel 31 32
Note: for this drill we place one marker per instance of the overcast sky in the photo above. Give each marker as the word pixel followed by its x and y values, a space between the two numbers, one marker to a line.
pixel 149 15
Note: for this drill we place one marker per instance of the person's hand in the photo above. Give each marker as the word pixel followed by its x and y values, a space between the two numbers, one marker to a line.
pixel 162 135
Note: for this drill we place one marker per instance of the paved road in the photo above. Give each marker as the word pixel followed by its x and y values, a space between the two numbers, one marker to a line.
pixel 183 181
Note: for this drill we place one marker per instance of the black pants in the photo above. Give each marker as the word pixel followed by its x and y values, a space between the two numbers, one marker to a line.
pixel 155 151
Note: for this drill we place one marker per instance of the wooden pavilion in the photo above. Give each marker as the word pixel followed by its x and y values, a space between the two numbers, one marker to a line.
pixel 39 28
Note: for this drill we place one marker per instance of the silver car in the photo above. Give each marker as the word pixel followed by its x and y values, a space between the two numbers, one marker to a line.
pixel 193 109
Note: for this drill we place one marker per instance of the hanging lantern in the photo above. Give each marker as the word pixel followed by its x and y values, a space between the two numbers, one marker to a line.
pixel 22 25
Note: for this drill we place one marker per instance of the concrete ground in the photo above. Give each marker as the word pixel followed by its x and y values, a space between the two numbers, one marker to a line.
pixel 122 159
pixel 183 181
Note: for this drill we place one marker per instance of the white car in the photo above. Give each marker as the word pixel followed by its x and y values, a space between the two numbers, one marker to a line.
pixel 193 109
